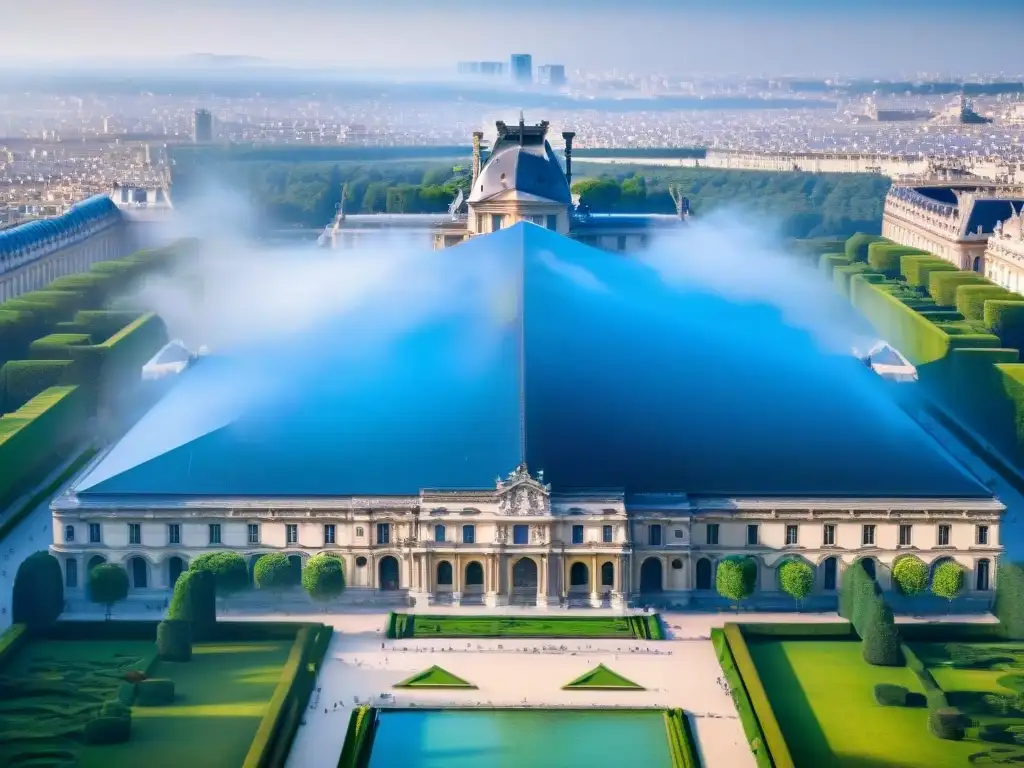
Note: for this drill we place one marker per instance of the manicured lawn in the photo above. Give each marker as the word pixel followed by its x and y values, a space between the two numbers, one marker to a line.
pixel 822 695
pixel 220 698
pixel 511 626
pixel 602 677
pixel 435 677
pixel 50 689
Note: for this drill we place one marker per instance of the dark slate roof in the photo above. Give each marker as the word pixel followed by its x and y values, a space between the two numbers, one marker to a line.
pixel 939 194
pixel 66 225
pixel 596 222
pixel 583 363
pixel 987 213
pixel 530 168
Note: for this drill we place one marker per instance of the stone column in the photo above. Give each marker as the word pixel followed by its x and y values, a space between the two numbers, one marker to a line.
pixel 595 583
pixel 565 580
pixel 542 582
pixel 457 580
pixel 618 600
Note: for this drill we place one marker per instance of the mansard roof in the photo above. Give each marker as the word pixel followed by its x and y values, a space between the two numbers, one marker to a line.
pixel 586 366
pixel 522 160
pixel 45 231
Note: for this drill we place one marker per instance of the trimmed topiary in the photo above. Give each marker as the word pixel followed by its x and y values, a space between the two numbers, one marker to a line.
pixel 324 577
pixel 889 695
pixel 156 692
pixel 857 245
pixel 796 579
pixel 948 723
pixel 881 641
pixel 38 591
pixel 910 575
pixel 274 572
pixel 970 299
pixel 1006 320
pixel 229 569
pixel 948 580
pixel 1009 605
pixel 943 285
pixel 108 730
pixel 195 600
pixel 115 708
pixel 735 578
pixel 174 640
pixel 108 584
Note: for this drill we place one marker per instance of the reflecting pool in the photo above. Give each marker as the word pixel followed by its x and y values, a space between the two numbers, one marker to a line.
pixel 504 738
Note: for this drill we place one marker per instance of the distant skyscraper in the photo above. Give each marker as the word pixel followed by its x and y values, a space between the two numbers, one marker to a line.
pixel 551 74
pixel 521 65
pixel 202 127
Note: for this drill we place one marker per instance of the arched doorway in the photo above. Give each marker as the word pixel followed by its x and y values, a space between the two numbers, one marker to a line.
pixel 579 577
pixel 295 561
pixel 704 574
pixel 444 574
pixel 977 264
pixel 650 575
pixel 175 566
pixel 253 559
pixel 387 573
pixel 829 569
pixel 140 573
pixel 608 574
pixel 94 561
pixel 524 582
pixel 474 577
pixel 868 563
pixel 981 576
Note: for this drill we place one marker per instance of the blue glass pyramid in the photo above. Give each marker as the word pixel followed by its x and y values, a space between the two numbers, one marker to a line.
pixel 583 364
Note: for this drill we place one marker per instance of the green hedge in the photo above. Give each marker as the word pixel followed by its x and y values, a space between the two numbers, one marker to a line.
pixel 680 739
pixel 857 245
pixel 391 630
pixel 917 268
pixel 21 380
pixel 941 315
pixel 836 630
pixel 57 346
pixel 774 740
pixel 15 516
pixel 1006 320
pixel 953 632
pixel 358 742
pixel 119 359
pixel 11 642
pixel 1009 605
pixel 741 699
pixel 842 275
pixel 970 299
pixel 829 261
pixel 102 324
pixel 50 306
pixel 942 286
pixel 885 257
pixel 31 436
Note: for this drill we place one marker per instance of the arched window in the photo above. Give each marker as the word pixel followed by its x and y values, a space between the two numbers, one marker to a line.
pixel 578 575
pixel 829 577
pixel 981 578
pixel 444 573
pixel 703 573
pixel 439 532
pixel 140 573
pixel 608 574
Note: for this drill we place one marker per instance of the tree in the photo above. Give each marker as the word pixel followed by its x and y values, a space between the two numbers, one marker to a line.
pixel 324 577
pixel 229 570
pixel 735 578
pixel 796 579
pixel 195 601
pixel 881 641
pixel 911 575
pixel 948 580
pixel 38 591
pixel 274 573
pixel 108 584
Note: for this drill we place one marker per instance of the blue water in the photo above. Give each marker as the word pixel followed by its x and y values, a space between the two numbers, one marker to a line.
pixel 518 738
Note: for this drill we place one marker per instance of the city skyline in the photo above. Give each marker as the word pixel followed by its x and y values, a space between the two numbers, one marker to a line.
pixel 736 37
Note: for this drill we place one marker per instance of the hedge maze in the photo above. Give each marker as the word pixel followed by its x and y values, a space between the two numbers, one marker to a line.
pixel 63 356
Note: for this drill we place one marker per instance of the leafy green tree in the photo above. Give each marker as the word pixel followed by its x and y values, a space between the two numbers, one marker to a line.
pixel 195 601
pixel 229 570
pixel 948 580
pixel 108 584
pixel 735 578
pixel 796 578
pixel 38 597
pixel 324 577
pixel 273 572
pixel 910 575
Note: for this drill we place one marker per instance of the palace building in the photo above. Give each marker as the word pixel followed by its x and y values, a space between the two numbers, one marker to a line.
pixel 521 179
pixel 597 436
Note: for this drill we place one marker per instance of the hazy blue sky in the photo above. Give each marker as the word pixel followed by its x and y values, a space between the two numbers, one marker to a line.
pixel 855 37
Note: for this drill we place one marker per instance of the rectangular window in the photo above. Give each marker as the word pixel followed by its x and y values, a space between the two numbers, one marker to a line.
pixel 254 533
pixel 329 533
pixel 905 535
pixel 577 534
pixel 496 219
pixel 792 535
pixel 981 536
pixel 828 535
pixel 982 576
pixel 69 533
pixel 174 533
pixel 752 537
pixel 679 533
pixel 215 533
pixel 867 536
pixel 520 534
pixel 607 534
pixel 943 535
pixel 654 535
pixel 383 533
pixel 134 533
pixel 71 574
pixel 94 533
pixel 469 534
pixel 552 222
pixel 359 532
pixel 291 533
pixel 621 243
pixel 712 534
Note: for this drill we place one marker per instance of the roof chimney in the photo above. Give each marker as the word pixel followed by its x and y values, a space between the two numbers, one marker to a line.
pixel 477 138
pixel 568 136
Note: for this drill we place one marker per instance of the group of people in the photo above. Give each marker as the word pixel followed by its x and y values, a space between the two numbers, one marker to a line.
pixel 545 648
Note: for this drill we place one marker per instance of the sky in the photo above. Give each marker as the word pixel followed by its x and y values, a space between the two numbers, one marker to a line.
pixel 746 37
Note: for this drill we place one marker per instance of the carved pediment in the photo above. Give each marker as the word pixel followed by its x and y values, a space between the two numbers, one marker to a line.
pixel 521 494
